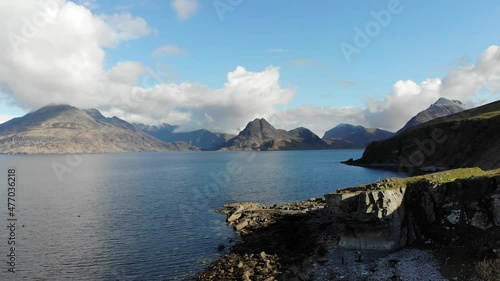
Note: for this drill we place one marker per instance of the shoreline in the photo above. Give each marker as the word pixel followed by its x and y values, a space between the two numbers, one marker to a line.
pixel 294 241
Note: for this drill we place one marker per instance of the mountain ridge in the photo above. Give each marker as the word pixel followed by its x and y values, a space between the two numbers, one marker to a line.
pixel 64 129
pixel 466 139
pixel 442 107
pixel 354 136
pixel 204 139
pixel 259 134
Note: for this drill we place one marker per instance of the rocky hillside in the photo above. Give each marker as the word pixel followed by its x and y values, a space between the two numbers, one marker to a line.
pixel 59 129
pixel 203 139
pixel 445 207
pixel 350 136
pixel 260 135
pixel 467 139
pixel 442 107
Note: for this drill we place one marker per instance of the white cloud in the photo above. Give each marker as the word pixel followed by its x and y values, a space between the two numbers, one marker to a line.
pixel 90 4
pixel 124 27
pixel 246 95
pixel 57 56
pixel 166 50
pixel 63 62
pixel 404 101
pixel 185 8
pixel 462 83
pixel 5 118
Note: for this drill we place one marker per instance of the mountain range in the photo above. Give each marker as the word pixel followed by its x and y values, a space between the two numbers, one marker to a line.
pixel 203 139
pixel 350 136
pixel 60 129
pixel 260 135
pixel 67 129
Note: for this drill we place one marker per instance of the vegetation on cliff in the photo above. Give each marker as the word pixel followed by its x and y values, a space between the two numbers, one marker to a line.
pixel 467 139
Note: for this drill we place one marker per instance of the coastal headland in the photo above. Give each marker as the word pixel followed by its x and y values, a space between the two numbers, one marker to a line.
pixel 440 226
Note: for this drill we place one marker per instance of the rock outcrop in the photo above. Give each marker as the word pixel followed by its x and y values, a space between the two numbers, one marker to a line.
pixel 260 135
pixel 462 204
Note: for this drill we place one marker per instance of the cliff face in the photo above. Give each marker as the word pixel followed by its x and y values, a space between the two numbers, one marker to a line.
pixel 462 204
pixel 467 139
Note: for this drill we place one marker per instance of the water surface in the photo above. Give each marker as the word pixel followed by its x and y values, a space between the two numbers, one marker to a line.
pixel 149 216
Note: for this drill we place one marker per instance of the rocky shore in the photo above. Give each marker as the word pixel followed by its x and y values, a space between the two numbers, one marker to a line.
pixel 441 226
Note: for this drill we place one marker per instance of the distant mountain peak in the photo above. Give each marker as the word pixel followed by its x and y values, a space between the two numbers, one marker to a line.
pixel 347 135
pixel 442 107
pixel 445 101
pixel 259 134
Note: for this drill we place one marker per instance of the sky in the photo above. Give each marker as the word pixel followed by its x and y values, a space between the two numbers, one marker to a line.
pixel 218 64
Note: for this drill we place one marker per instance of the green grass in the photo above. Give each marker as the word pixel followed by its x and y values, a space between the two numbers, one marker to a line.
pixel 486 115
pixel 435 178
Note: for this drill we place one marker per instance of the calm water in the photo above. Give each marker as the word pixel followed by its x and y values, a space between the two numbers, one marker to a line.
pixel 148 216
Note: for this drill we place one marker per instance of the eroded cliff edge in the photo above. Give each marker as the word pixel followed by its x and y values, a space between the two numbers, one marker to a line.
pixel 448 223
pixel 456 206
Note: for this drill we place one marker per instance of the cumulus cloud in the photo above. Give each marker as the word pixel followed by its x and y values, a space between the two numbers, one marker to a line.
pixel 167 50
pixel 463 83
pixel 54 53
pixel 406 99
pixel 246 95
pixel 185 8
pixel 62 61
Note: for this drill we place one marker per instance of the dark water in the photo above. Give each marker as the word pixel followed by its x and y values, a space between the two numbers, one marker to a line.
pixel 148 216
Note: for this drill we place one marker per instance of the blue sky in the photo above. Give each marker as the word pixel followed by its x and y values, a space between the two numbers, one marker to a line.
pixel 425 39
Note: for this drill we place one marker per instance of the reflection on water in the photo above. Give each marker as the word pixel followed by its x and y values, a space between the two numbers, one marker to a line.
pixel 149 216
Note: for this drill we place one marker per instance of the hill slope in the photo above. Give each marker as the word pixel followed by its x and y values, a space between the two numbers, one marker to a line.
pixel 350 136
pixel 442 107
pixel 59 129
pixel 260 135
pixel 465 139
